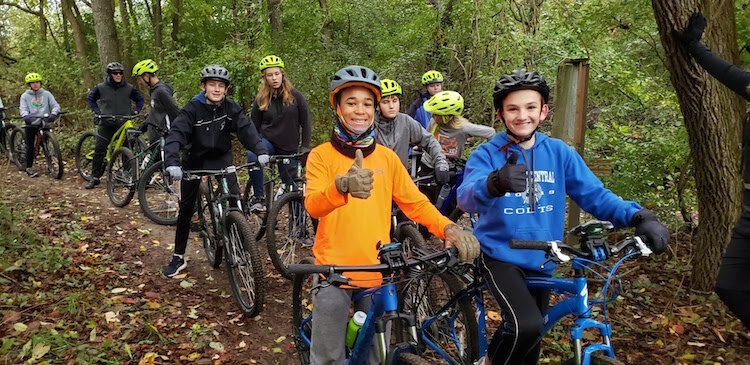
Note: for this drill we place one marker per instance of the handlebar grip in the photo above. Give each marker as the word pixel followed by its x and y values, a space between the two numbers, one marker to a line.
pixel 308 269
pixel 530 245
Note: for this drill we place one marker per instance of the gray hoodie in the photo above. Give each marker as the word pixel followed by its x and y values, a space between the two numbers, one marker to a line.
pixel 38 103
pixel 404 132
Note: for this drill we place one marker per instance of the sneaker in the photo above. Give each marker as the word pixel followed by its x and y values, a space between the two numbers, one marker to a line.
pixel 256 205
pixel 31 172
pixel 174 267
pixel 308 242
pixel 92 183
pixel 481 361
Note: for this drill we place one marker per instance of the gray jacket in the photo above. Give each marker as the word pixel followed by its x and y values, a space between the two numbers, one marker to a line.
pixel 38 103
pixel 404 132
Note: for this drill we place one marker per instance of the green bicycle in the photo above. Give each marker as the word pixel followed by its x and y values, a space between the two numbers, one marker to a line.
pixel 85 146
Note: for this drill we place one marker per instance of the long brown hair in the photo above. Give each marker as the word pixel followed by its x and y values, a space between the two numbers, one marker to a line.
pixel 265 91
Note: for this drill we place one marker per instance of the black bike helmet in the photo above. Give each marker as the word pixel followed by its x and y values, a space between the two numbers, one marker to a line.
pixel 519 80
pixel 215 72
pixel 354 76
pixel 115 67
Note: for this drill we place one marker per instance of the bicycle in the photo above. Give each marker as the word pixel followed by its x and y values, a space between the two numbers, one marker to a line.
pixel 227 233
pixel 87 142
pixel 384 307
pixel 5 131
pixel 593 249
pixel 158 198
pixel 44 139
pixel 290 229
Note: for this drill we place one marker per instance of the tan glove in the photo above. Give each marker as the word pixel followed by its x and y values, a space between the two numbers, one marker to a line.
pixel 357 181
pixel 464 241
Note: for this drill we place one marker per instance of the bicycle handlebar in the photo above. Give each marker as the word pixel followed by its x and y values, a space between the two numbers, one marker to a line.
pixel 441 257
pixel 197 174
pixel 283 158
pixel 557 249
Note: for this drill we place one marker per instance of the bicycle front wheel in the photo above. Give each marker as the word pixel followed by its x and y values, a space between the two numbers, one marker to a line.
pixel 411 359
pixel 291 233
pixel 158 198
pixel 597 358
pixel 85 154
pixel 18 148
pixel 302 311
pixel 243 263
pixel 52 155
pixel 122 173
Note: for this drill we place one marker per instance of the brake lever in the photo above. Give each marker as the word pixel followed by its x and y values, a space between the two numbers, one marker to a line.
pixel 557 252
pixel 645 250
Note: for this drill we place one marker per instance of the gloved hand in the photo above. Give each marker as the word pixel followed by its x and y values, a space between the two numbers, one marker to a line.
pixel 509 179
pixel 646 224
pixel 694 30
pixel 51 118
pixel 28 119
pixel 263 159
pixel 175 172
pixel 442 176
pixel 357 181
pixel 143 127
pixel 464 241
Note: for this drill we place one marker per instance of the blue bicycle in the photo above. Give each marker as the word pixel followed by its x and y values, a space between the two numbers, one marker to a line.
pixel 396 269
pixel 467 346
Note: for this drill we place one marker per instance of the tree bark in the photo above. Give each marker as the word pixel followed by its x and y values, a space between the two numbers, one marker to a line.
pixel 274 16
pixel 127 37
pixel 712 116
pixel 43 19
pixel 79 38
pixel 176 21
pixel 106 34
pixel 156 21
pixel 326 27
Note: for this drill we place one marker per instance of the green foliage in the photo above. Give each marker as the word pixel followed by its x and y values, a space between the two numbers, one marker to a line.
pixel 25 251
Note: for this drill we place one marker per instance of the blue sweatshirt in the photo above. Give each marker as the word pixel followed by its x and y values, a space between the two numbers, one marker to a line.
pixel 558 170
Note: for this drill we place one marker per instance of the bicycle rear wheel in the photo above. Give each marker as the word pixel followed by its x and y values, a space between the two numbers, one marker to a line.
pixel 243 263
pixel 256 218
pixel 290 234
pixel 52 155
pixel 302 311
pixel 85 154
pixel 18 147
pixel 157 197
pixel 121 177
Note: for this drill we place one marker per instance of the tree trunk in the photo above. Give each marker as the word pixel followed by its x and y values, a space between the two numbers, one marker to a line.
pixel 80 39
pixel 176 21
pixel 712 116
pixel 326 27
pixel 127 39
pixel 131 11
pixel 274 16
pixel 42 19
pixel 156 21
pixel 106 34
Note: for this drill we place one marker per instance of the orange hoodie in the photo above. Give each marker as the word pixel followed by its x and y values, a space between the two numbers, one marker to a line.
pixel 350 229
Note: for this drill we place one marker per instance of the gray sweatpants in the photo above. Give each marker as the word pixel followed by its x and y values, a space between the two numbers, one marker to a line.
pixel 330 317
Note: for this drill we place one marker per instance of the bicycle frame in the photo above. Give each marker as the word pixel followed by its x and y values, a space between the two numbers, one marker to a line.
pixel 117 140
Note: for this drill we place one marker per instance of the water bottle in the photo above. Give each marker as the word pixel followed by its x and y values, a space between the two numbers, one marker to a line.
pixel 145 161
pixel 444 192
pixel 352 329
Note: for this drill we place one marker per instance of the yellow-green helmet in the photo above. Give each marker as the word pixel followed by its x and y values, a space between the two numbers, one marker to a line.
pixel 145 66
pixel 431 77
pixel 270 61
pixel 33 77
pixel 445 103
pixel 390 87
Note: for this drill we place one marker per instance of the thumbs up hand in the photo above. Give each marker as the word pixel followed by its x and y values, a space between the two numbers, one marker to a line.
pixel 509 179
pixel 357 181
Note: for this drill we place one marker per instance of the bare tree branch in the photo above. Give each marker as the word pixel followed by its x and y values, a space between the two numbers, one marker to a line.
pixel 20 7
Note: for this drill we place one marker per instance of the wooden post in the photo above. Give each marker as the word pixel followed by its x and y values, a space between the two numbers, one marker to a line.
pixel 569 122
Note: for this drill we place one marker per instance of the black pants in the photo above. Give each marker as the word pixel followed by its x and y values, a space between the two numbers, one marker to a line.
pixel 104 134
pixel 189 190
pixel 732 283
pixel 517 340
pixel 30 136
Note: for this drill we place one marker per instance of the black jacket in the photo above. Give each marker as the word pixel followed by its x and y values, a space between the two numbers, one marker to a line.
pixel 282 124
pixel 202 131
pixel 163 105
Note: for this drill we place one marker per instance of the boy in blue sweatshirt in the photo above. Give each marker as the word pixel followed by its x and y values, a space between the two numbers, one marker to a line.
pixel 517 182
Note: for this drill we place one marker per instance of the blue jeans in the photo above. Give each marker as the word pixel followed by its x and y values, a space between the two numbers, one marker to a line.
pixel 286 171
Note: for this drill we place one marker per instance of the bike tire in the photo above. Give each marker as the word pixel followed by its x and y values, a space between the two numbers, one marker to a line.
pixel 597 358
pixel 122 173
pixel 158 198
pixel 409 236
pixel 53 155
pixel 18 147
pixel 85 154
pixel 411 359
pixel 243 264
pixel 290 232
pixel 431 293
pixel 301 309
pixel 207 224
pixel 5 139
pixel 257 219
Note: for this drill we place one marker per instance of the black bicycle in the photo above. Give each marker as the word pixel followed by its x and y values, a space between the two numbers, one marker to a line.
pixel 44 140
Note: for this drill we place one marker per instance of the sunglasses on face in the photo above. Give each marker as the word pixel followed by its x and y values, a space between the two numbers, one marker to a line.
pixel 117 73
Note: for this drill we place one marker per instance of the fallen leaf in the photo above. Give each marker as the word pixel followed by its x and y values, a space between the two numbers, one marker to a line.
pixel 111 317
pixel 495 316
pixel 276 350
pixel 186 284
pixel 696 344
pixel 39 351
pixel 147 359
pixel 280 339
pixel 242 344
pixel 118 290
pixel 20 327
pixel 218 346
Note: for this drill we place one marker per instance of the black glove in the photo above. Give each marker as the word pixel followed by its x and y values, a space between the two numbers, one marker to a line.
pixel 442 176
pixel 647 225
pixel 511 178
pixel 303 158
pixel 694 30
pixel 143 127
